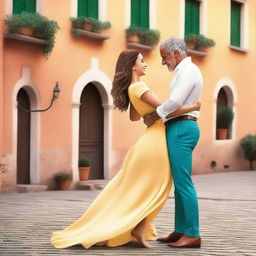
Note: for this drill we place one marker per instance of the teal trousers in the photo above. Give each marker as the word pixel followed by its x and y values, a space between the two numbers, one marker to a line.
pixel 182 137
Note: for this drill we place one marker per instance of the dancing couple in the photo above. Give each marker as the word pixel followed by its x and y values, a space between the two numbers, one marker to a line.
pixel 124 210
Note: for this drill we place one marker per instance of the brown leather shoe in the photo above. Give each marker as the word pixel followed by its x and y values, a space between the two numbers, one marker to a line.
pixel 187 242
pixel 173 237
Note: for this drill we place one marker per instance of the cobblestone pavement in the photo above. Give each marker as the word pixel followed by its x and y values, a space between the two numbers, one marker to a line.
pixel 227 215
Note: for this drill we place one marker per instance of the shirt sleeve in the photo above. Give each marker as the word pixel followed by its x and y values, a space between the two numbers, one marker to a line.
pixel 139 89
pixel 183 85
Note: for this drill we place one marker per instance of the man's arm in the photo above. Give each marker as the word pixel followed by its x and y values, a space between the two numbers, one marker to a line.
pixel 151 118
pixel 183 85
pixel 134 115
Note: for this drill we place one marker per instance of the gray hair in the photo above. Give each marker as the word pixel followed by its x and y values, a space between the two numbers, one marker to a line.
pixel 174 43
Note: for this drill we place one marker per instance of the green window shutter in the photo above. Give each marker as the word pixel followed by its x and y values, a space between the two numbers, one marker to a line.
pixel 235 23
pixel 93 9
pixel 144 13
pixel 18 6
pixel 140 13
pixel 88 8
pixel 82 8
pixel 30 6
pixel 135 10
pixel 192 17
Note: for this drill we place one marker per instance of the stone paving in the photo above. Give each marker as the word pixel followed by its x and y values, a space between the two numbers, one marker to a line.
pixel 227 215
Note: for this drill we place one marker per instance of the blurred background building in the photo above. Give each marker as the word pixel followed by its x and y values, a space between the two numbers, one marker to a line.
pixel 82 121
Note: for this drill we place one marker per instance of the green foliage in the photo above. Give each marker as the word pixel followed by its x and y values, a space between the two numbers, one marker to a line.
pixel 199 40
pixel 147 36
pixel 191 38
pixel 38 23
pixel 25 19
pixel 248 144
pixel 132 31
pixel 62 176
pixel 204 41
pixel 97 25
pixel 48 30
pixel 83 162
pixel 224 118
pixel 75 32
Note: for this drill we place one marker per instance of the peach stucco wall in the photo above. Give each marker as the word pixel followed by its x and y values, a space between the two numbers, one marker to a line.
pixel 224 62
pixel 221 63
pixel 71 58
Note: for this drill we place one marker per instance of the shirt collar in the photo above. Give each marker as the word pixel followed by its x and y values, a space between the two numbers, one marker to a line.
pixel 182 64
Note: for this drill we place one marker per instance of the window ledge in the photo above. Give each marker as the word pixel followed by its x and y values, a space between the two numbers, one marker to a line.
pixel 226 141
pixel 238 49
pixel 29 39
pixel 93 35
pixel 199 53
pixel 140 46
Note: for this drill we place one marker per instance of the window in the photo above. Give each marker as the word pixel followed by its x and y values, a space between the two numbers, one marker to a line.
pixel 224 112
pixel 222 99
pixel 20 6
pixel 192 17
pixel 88 8
pixel 235 37
pixel 140 13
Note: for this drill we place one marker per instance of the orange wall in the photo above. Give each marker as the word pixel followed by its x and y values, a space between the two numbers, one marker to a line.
pixel 237 66
pixel 222 62
pixel 71 57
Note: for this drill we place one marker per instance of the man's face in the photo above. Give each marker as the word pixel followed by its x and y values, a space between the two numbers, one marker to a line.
pixel 168 59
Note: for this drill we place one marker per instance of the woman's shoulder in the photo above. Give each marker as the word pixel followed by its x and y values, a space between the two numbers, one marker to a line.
pixel 138 84
pixel 138 89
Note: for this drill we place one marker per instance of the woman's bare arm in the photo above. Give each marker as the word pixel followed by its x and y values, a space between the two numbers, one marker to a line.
pixel 152 100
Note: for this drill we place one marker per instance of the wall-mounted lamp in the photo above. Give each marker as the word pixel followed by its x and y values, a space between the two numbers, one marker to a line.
pixel 55 95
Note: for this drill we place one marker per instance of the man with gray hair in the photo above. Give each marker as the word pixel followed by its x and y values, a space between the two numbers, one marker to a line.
pixel 182 134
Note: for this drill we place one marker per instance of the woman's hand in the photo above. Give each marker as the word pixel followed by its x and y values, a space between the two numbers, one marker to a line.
pixel 197 105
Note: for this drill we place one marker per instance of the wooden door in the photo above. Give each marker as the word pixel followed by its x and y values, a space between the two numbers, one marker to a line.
pixel 91 130
pixel 23 142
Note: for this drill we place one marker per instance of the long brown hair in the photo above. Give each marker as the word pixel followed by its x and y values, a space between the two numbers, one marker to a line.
pixel 122 78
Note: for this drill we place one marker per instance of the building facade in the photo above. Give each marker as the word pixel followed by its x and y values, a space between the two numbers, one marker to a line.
pixel 82 121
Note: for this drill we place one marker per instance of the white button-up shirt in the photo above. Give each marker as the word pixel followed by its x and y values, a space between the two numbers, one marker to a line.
pixel 185 89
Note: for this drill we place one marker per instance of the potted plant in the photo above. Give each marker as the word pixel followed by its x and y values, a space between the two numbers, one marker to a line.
pixel 248 144
pixel 63 180
pixel 224 119
pixel 84 168
pixel 88 23
pixel 132 35
pixel 204 43
pixel 38 25
pixel 191 41
pixel 143 36
pixel 198 42
pixel 23 23
pixel 149 37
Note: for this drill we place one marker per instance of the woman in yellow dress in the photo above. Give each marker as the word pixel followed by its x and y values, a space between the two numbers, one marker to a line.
pixel 124 210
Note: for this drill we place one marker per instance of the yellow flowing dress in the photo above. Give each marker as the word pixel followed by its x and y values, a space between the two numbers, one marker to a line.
pixel 138 191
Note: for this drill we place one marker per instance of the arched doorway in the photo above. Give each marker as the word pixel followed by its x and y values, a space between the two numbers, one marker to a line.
pixel 91 130
pixel 23 138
